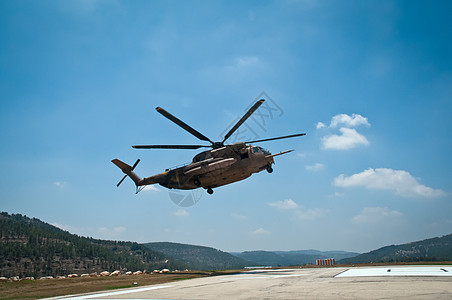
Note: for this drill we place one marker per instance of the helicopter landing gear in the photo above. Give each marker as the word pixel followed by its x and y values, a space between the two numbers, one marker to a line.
pixel 197 182
pixel 209 191
pixel 269 168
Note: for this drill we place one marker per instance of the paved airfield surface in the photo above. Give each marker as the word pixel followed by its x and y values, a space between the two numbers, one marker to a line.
pixel 392 282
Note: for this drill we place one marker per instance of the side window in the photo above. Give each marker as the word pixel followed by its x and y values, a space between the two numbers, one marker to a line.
pixel 244 155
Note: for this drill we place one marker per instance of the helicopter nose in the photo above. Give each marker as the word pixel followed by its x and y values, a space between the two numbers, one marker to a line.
pixel 270 160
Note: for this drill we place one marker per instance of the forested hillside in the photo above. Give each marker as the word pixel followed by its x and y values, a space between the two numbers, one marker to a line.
pixel 199 257
pixel 435 249
pixel 30 247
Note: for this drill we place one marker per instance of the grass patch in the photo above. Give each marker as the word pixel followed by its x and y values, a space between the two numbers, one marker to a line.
pixel 118 287
pixel 183 278
pixel 72 286
pixel 25 297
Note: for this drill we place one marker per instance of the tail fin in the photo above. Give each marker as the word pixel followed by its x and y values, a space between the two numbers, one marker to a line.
pixel 128 170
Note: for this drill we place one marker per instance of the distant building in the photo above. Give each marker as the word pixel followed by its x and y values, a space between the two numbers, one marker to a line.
pixel 325 262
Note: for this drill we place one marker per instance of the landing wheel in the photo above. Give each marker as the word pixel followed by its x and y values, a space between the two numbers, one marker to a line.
pixel 209 191
pixel 197 182
pixel 269 169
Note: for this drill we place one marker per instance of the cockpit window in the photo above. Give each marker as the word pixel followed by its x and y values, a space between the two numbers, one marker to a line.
pixel 266 152
pixel 257 149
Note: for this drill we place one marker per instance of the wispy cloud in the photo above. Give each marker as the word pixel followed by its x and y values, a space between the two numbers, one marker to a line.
pixel 299 211
pixel 260 231
pixel 238 216
pixel 180 213
pixel 244 62
pixel 315 167
pixel 287 204
pixel 349 121
pixel 151 188
pixel 310 214
pixel 375 215
pixel 301 155
pixel 336 194
pixel 400 182
pixel 60 184
pixel 112 232
pixel 242 65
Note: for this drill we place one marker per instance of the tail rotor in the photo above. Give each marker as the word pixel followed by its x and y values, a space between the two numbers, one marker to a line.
pixel 127 171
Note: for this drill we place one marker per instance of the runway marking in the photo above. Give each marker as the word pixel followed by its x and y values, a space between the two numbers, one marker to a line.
pixel 262 277
pixel 107 294
pixel 397 271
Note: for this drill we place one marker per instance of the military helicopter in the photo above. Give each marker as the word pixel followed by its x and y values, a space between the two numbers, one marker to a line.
pixel 223 164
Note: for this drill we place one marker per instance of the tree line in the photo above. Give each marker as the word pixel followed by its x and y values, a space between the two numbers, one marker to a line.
pixel 30 247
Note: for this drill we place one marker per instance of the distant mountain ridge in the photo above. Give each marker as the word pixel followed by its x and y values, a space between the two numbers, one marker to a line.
pixel 434 249
pixel 199 257
pixel 290 258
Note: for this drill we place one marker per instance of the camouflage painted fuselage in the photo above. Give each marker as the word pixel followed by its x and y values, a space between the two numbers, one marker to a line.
pixel 215 168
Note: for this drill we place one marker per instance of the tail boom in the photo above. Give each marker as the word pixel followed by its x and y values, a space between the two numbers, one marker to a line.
pixel 128 170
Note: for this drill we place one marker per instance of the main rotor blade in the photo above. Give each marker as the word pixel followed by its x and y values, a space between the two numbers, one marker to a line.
pixel 243 119
pixel 183 125
pixel 168 146
pixel 277 138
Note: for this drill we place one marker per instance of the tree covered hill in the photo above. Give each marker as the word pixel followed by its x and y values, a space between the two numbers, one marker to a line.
pixel 434 249
pixel 30 247
pixel 199 257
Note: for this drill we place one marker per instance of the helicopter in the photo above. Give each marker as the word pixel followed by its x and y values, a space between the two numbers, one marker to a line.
pixel 222 165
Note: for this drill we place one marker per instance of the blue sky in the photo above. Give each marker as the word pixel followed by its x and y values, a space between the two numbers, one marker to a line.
pixel 370 82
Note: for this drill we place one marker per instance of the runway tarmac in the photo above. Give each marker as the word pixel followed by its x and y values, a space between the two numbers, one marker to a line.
pixel 400 282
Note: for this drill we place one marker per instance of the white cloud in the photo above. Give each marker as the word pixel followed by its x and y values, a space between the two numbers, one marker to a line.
pixel 180 213
pixel 260 231
pixel 336 194
pixel 287 204
pixel 350 138
pixel 399 181
pixel 119 229
pixel 106 232
pixel 310 214
pixel 315 167
pixel 244 61
pixel 299 211
pixel 347 121
pixel 60 184
pixel 375 215
pixel 238 216
pixel 243 64
pixel 151 188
